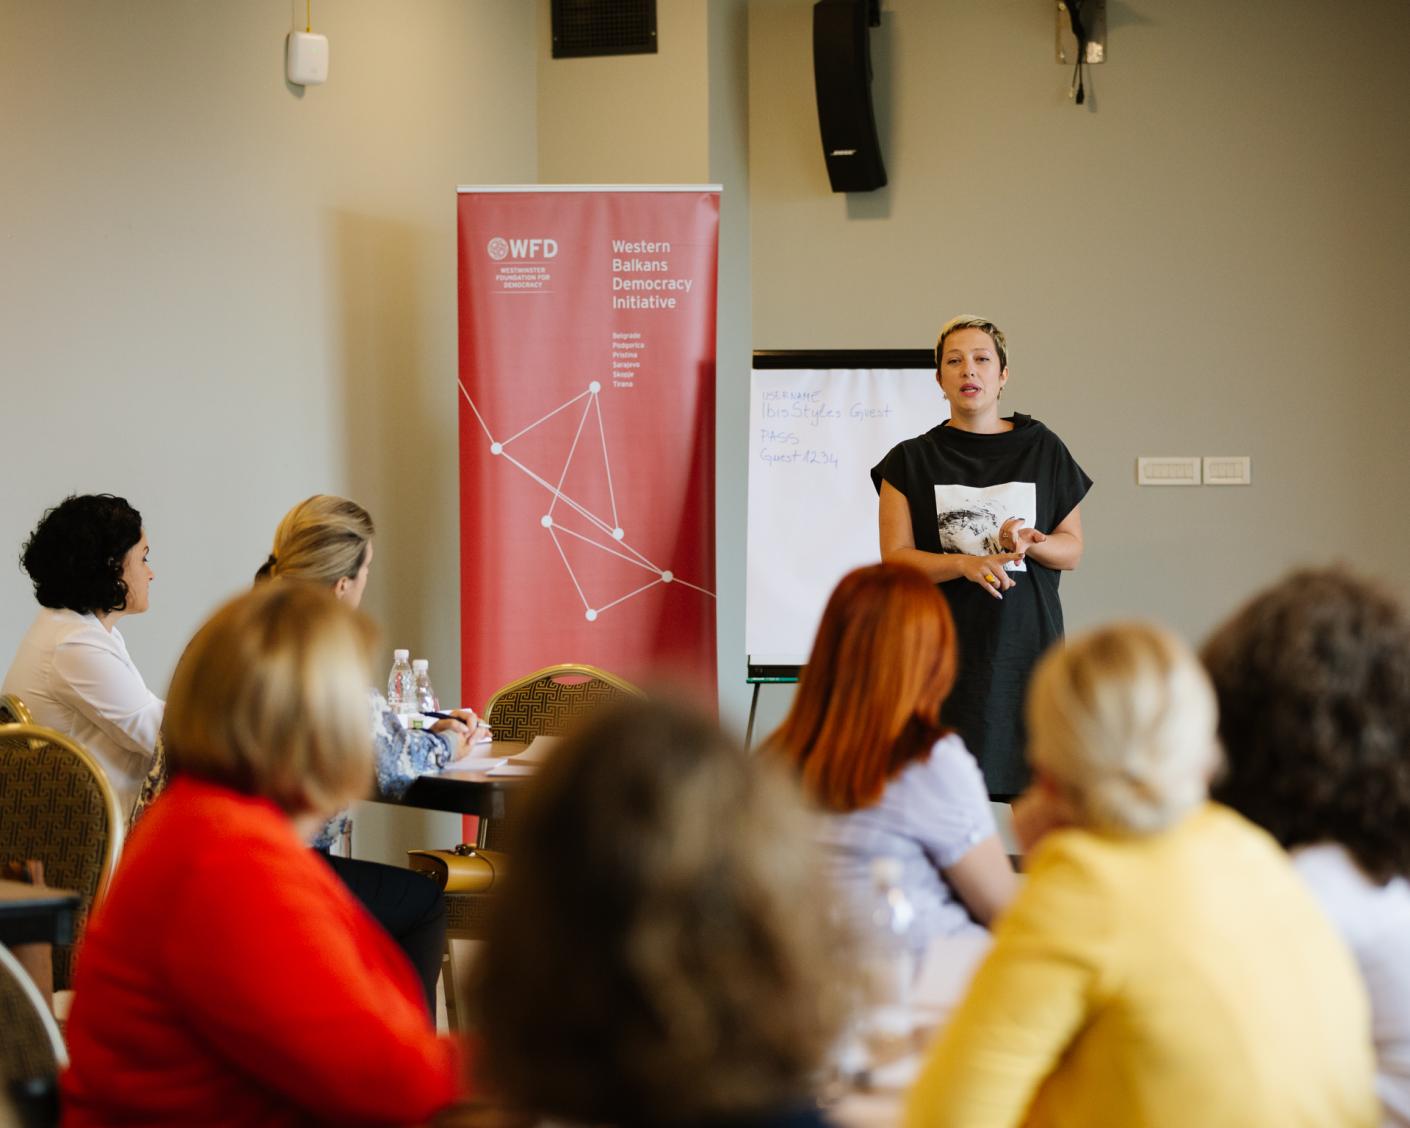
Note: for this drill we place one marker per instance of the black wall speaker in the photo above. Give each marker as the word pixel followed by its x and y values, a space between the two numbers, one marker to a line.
pixel 603 27
pixel 842 75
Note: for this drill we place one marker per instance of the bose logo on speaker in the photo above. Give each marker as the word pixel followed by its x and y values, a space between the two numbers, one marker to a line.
pixel 842 153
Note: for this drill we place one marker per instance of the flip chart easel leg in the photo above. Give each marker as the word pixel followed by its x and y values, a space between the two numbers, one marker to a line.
pixel 753 708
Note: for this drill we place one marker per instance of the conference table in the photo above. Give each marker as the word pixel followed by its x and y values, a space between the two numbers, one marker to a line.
pixel 471 786
pixel 481 784
pixel 31 914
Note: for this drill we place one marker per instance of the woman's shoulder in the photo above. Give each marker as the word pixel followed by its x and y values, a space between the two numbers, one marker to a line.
pixel 199 840
pixel 207 821
pixel 1359 906
pixel 940 785
pixel 917 445
pixel 948 762
pixel 909 458
pixel 1040 435
pixel 61 625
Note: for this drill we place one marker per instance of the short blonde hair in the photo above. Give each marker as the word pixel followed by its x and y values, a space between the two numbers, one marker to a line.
pixel 973 321
pixel 323 539
pixel 270 699
pixel 1123 719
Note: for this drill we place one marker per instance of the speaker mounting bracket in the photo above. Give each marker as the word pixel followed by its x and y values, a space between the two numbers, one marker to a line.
pixel 1093 19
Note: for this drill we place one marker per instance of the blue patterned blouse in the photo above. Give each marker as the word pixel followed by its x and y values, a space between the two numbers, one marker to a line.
pixel 402 754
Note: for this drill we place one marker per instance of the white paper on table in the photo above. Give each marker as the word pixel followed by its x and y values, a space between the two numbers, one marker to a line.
pixel 539 750
pixel 508 769
pixel 476 764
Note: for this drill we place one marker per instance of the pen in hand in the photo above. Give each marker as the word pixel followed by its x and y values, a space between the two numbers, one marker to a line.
pixel 479 731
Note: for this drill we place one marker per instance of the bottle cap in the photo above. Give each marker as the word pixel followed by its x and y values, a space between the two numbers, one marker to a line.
pixel 400 655
pixel 420 665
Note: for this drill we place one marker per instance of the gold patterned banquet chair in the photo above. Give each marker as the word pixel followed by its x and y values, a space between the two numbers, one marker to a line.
pixel 13 711
pixel 57 806
pixel 545 703
pixel 31 1047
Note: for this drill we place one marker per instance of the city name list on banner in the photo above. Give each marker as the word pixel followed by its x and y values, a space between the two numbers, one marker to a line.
pixel 642 278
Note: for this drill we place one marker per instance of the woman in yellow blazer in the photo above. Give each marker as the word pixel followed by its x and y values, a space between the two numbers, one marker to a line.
pixel 1162 965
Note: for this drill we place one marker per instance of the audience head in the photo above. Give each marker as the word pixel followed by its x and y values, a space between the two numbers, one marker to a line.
pixel 1122 722
pixel 324 540
pixel 270 699
pixel 88 554
pixel 970 321
pixel 869 700
pixel 1313 680
pixel 660 952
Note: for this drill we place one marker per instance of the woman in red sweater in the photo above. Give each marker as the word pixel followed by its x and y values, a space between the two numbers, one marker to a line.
pixel 229 977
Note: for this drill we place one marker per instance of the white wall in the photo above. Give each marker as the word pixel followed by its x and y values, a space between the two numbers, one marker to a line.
pixel 220 294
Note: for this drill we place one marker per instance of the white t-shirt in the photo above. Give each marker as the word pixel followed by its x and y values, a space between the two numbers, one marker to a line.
pixel 929 817
pixel 75 676
pixel 1374 920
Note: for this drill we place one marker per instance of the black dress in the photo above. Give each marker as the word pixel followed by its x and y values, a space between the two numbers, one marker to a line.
pixel 961 487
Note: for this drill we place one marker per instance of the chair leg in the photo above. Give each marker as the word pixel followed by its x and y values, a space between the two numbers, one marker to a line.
pixel 448 985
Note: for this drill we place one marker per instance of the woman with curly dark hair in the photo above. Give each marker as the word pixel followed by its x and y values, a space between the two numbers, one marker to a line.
pixel 1313 680
pixel 88 560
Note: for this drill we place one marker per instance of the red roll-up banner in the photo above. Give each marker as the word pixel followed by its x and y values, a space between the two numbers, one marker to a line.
pixel 587 433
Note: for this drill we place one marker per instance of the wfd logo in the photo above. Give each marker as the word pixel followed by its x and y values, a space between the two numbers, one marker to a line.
pixel 500 249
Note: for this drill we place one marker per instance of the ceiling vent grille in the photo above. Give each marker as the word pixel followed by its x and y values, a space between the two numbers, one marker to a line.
pixel 603 27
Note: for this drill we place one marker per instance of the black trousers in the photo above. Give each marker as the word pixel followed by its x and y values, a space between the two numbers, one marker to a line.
pixel 408 905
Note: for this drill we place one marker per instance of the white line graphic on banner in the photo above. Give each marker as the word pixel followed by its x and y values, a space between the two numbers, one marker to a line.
pixel 554 526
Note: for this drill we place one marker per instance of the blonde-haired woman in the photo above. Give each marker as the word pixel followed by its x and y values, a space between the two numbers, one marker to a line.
pixel 328 541
pixel 1162 965
pixel 229 977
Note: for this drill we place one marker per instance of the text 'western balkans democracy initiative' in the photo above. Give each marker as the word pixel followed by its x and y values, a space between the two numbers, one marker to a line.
pixel 642 278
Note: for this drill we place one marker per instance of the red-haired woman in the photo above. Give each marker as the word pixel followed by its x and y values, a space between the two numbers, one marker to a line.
pixel 865 735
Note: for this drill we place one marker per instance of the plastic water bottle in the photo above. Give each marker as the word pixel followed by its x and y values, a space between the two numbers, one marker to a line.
pixel 889 963
pixel 401 683
pixel 425 696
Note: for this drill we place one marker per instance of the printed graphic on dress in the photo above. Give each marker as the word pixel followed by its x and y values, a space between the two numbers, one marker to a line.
pixel 970 516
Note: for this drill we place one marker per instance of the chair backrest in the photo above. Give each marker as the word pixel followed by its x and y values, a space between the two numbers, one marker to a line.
pixel 31 1048
pixel 153 785
pixel 13 711
pixel 548 701
pixel 56 805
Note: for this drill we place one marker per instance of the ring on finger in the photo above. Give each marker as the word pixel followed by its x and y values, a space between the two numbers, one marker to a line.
pixel 988 577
